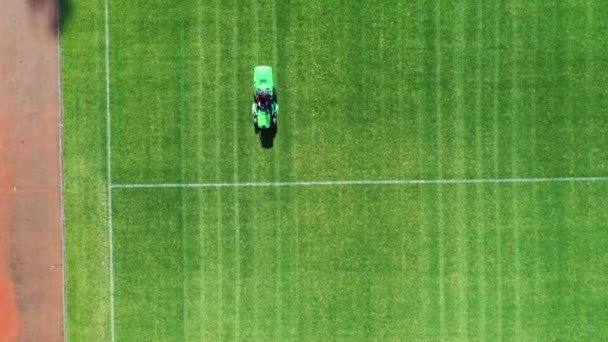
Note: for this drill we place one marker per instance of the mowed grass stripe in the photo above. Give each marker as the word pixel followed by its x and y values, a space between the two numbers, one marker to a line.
pixel 487 121
pixel 219 321
pixel 480 161
pixel 426 126
pixel 174 45
pixel 85 173
pixel 422 278
pixel 443 333
pixel 534 113
pixel 282 60
pixel 377 304
pixel 453 126
pixel 245 51
pixel 419 68
pixel 462 119
pixel 572 79
pixel 450 43
pixel 557 103
pixel 138 105
pixel 208 143
pixel 276 161
pixel 265 166
pixel 183 107
pixel 244 48
pixel 255 9
pixel 510 222
pixel 515 106
pixel 403 110
pixel 470 90
pixel 407 98
pixel 148 268
pixel 297 101
pixel 595 86
pixel 237 119
pixel 204 82
pixel 228 36
pixel 288 94
pixel 453 238
pixel 292 108
pixel 497 133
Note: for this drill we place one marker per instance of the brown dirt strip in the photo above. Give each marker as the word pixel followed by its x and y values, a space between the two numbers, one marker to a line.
pixel 31 227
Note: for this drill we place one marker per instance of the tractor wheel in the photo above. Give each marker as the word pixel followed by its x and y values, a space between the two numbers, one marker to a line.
pixel 274 94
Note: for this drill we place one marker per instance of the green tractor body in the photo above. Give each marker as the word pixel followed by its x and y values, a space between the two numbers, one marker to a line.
pixel 264 118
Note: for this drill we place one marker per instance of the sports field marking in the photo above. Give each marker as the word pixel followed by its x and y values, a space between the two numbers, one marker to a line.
pixel 515 107
pixel 62 177
pixel 361 182
pixel 109 157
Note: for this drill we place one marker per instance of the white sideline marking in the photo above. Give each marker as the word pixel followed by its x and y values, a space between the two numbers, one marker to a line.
pixel 61 177
pixel 109 156
pixel 361 182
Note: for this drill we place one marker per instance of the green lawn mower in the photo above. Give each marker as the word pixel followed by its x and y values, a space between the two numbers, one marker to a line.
pixel 265 107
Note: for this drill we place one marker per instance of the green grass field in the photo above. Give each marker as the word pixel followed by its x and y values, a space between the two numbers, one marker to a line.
pixel 386 90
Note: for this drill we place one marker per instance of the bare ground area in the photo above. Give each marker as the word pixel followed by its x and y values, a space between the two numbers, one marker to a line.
pixel 31 239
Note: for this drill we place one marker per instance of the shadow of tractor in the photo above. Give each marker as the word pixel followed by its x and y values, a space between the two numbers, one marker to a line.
pixel 267 136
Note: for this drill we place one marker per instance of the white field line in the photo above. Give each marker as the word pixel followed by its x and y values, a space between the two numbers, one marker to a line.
pixel 361 182
pixel 109 166
pixel 61 177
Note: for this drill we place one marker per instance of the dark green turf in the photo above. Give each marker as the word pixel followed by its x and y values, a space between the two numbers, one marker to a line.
pixel 385 90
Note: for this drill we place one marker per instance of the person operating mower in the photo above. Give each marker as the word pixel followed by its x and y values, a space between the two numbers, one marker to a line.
pixel 263 98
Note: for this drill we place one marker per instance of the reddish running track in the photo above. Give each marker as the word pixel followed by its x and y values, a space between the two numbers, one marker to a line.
pixel 31 239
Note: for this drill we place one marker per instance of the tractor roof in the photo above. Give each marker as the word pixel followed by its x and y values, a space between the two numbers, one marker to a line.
pixel 263 77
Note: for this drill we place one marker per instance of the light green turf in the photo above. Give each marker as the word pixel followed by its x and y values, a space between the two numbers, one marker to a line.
pixel 380 90
pixel 395 264
pixel 86 196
